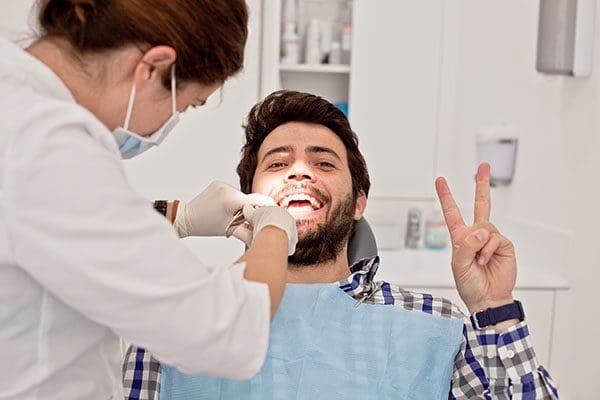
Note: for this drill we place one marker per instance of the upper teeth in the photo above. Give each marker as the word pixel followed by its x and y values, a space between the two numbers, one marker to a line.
pixel 300 197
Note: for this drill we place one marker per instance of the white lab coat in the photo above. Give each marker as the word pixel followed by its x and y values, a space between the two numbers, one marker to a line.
pixel 84 259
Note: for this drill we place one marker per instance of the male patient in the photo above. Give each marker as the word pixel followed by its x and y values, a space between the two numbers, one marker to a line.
pixel 338 332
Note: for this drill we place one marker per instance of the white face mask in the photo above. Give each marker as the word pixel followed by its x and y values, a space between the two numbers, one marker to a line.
pixel 131 144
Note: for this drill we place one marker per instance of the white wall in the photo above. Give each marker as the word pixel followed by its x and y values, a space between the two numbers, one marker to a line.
pixel 15 18
pixel 556 184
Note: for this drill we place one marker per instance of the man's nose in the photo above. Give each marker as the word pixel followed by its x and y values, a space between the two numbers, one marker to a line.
pixel 300 172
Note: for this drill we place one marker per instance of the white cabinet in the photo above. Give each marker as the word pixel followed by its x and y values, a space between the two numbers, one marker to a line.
pixel 394 92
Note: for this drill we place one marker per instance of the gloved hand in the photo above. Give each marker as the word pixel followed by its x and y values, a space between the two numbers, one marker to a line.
pixel 209 213
pixel 260 217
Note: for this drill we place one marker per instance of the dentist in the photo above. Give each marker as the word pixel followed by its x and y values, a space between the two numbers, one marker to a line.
pixel 85 260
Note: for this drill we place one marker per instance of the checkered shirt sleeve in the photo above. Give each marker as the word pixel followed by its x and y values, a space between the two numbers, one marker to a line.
pixel 141 375
pixel 503 365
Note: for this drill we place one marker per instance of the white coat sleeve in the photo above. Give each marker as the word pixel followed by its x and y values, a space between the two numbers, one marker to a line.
pixel 77 227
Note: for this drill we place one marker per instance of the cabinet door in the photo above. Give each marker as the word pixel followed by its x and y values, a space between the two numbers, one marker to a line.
pixel 539 312
pixel 394 92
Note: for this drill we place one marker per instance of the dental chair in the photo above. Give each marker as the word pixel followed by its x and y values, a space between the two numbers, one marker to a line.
pixel 362 244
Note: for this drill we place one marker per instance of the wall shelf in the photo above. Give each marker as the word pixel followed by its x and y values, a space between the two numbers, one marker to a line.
pixel 319 68
pixel 330 81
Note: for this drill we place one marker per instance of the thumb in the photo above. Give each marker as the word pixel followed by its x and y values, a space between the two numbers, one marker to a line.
pixel 467 250
pixel 180 223
pixel 243 233
pixel 248 210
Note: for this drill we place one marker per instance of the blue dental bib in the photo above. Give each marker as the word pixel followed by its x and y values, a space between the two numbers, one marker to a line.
pixel 323 347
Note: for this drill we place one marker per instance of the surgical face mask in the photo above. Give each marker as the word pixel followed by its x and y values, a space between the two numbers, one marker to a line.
pixel 131 144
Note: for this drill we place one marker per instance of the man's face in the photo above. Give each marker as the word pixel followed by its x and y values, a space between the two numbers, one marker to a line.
pixel 304 167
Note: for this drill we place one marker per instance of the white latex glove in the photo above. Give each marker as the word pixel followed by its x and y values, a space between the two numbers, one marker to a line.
pixel 209 213
pixel 260 217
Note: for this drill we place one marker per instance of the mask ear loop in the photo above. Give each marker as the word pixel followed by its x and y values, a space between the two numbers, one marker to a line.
pixel 173 93
pixel 132 97
pixel 129 107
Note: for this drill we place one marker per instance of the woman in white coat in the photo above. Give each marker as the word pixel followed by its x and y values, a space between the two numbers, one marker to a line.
pixel 85 260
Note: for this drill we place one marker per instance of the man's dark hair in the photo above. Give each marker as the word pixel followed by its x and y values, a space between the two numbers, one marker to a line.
pixel 286 106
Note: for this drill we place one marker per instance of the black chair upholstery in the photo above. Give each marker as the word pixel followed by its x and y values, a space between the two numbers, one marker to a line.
pixel 362 244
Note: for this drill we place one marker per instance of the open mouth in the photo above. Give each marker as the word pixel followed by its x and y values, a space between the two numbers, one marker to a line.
pixel 300 204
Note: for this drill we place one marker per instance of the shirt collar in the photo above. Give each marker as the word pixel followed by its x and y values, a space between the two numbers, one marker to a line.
pixel 361 280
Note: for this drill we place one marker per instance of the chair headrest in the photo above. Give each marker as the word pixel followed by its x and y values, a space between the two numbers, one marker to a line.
pixel 362 244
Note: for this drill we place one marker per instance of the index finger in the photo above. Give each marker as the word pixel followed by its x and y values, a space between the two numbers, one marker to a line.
pixel 451 212
pixel 482 194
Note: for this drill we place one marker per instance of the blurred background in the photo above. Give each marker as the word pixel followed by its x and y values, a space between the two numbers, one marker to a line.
pixel 431 88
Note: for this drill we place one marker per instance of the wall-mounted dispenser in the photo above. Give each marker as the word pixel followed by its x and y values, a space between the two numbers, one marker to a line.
pixel 497 145
pixel 566 37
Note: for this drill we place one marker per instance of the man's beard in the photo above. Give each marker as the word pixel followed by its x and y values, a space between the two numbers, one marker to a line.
pixel 324 242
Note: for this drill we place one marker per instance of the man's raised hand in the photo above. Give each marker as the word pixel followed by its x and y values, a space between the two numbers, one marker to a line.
pixel 483 260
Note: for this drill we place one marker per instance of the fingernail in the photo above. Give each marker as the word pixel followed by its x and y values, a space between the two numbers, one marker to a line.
pixel 481 236
pixel 481 260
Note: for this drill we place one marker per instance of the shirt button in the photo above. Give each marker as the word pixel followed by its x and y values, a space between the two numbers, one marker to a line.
pixel 510 353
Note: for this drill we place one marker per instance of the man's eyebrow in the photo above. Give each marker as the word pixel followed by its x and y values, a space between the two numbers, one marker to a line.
pixel 280 149
pixel 321 149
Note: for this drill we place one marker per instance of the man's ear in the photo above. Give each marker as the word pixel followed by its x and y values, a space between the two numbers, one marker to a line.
pixel 154 65
pixel 361 205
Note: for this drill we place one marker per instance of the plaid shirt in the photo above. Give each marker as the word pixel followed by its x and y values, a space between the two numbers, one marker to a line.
pixel 489 365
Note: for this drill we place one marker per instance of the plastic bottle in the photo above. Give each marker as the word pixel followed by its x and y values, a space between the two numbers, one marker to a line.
pixel 436 232
pixel 326 40
pixel 414 222
pixel 290 44
pixel 335 54
pixel 347 33
pixel 313 43
pixel 290 41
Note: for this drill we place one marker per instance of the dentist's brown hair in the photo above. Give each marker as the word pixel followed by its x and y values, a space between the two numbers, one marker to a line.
pixel 208 35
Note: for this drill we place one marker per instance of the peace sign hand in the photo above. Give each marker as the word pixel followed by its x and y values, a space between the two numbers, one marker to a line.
pixel 483 261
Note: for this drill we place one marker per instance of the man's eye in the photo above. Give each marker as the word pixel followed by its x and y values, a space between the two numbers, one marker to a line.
pixel 325 164
pixel 276 165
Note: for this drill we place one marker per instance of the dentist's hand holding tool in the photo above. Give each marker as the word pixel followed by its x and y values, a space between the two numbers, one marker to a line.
pixel 483 261
pixel 209 213
pixel 260 217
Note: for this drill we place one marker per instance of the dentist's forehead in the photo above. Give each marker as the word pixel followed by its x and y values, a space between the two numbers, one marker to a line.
pixel 294 137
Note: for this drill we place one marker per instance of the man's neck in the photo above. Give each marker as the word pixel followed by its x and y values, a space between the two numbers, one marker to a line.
pixel 327 272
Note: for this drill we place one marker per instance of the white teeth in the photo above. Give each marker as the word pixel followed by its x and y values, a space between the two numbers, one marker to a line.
pixel 285 202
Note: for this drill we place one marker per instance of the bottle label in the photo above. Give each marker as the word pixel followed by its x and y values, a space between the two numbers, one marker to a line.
pixel 347 37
